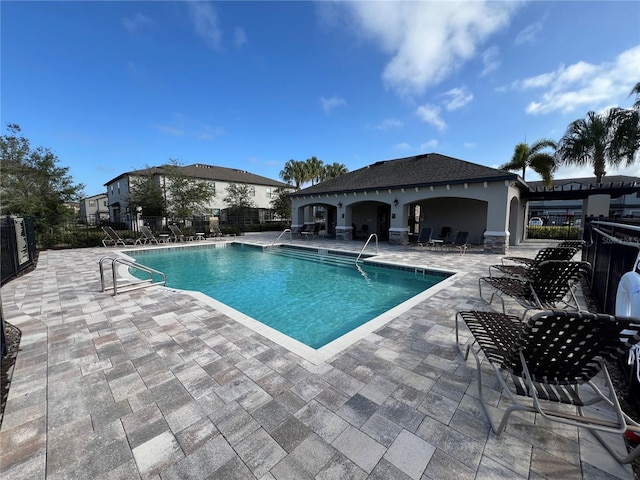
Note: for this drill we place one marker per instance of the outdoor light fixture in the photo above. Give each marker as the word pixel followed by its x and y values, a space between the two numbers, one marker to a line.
pixel 395 202
pixel 339 204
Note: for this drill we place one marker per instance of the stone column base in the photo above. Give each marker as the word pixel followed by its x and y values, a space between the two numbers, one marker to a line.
pixel 344 233
pixel 398 237
pixel 496 242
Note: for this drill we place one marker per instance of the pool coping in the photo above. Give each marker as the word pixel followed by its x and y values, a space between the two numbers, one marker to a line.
pixel 322 354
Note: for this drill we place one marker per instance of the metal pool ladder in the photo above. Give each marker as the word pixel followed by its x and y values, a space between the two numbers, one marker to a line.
pixel 127 286
pixel 373 235
pixel 286 230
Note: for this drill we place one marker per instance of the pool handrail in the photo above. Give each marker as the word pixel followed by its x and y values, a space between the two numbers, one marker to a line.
pixel 131 285
pixel 280 236
pixel 367 243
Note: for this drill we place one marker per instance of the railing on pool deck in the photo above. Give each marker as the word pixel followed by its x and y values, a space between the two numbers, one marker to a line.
pixel 280 236
pixel 373 235
pixel 130 285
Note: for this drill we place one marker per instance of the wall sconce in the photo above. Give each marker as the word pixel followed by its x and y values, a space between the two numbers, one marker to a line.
pixel 395 202
pixel 339 204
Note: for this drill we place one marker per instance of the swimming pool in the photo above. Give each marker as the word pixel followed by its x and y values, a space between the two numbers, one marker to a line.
pixel 314 300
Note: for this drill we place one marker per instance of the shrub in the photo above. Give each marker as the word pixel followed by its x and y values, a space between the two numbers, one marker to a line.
pixel 554 232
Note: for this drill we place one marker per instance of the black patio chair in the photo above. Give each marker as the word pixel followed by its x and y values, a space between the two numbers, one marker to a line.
pixel 525 269
pixel 553 358
pixel 577 244
pixel 424 239
pixel 460 242
pixel 548 285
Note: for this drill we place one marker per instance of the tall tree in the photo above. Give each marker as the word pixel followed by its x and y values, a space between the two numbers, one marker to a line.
pixel 186 196
pixel 145 191
pixel 294 173
pixel 536 158
pixel 598 140
pixel 334 170
pixel 314 169
pixel 239 198
pixel 281 203
pixel 32 183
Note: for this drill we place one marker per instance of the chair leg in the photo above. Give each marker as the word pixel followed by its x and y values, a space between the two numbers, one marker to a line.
pixel 492 296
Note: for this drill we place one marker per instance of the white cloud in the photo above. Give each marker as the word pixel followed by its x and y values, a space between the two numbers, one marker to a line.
pixel 329 104
pixel 137 23
pixel 173 131
pixel 457 98
pixel 583 86
pixel 205 21
pixel 528 34
pixel 239 37
pixel 491 60
pixel 427 41
pixel 404 146
pixel 431 114
pixel 469 144
pixel 389 123
pixel 433 143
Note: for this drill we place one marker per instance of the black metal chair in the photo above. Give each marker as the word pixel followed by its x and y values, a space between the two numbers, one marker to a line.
pixel 577 244
pixel 549 284
pixel 460 242
pixel 424 239
pixel 553 358
pixel 524 269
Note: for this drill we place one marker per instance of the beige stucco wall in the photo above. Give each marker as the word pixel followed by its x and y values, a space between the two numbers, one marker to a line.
pixel 480 208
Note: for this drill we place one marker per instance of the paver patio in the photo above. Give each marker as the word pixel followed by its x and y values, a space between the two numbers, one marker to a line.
pixel 155 384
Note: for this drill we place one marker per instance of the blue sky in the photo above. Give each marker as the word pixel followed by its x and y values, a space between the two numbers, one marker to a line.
pixel 112 87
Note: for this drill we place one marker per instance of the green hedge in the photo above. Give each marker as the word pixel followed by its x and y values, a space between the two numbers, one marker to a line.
pixel 554 232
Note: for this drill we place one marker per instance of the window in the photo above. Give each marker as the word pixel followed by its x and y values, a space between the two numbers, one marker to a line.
pixel 111 189
pixel 118 185
pixel 252 191
pixel 92 203
pixel 268 193
pixel 104 203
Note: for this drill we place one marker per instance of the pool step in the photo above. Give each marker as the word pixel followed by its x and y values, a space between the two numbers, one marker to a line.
pixel 314 256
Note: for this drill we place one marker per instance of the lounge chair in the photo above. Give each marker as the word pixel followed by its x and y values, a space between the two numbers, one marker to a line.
pixel 424 239
pixel 177 235
pixel 147 236
pixel 552 358
pixel 550 284
pixel 577 244
pixel 112 237
pixel 525 269
pixel 460 242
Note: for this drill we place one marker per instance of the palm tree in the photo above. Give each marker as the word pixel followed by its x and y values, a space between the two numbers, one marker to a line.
pixel 315 167
pixel 609 138
pixel 532 156
pixel 294 171
pixel 636 91
pixel 334 170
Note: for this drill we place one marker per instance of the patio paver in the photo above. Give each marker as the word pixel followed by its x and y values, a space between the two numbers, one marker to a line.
pixel 154 383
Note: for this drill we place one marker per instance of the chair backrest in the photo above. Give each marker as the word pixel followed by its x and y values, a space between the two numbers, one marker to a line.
pixel 444 233
pixel 425 235
pixel 461 238
pixel 577 244
pixel 175 230
pixel 111 233
pixel 555 253
pixel 565 346
pixel 146 231
pixel 552 279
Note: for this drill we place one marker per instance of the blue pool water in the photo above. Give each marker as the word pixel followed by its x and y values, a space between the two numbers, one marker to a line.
pixel 310 301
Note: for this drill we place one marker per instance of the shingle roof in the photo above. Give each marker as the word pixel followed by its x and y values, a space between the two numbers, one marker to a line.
pixel 212 172
pixel 420 170
pixel 587 180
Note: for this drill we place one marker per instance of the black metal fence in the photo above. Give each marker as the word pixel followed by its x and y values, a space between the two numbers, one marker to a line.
pixel 611 249
pixel 17 246
pixel 17 252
